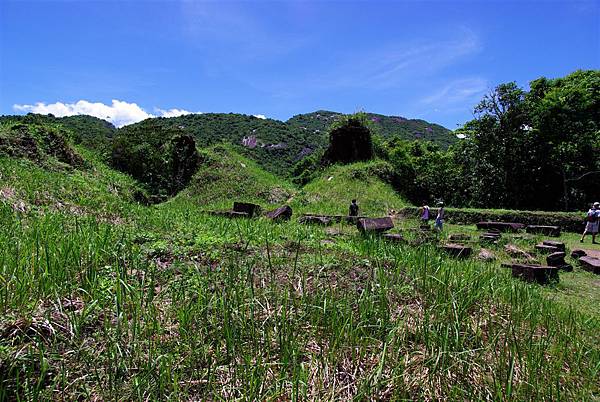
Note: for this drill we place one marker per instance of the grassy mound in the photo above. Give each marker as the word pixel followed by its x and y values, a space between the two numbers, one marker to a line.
pixel 332 192
pixel 225 176
pixel 40 170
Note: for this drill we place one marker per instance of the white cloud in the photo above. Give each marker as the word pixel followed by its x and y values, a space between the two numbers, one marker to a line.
pixel 120 113
pixel 172 112
pixel 260 116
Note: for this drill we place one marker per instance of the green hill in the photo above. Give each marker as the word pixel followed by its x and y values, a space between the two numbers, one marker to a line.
pixel 225 176
pixel 332 191
pixel 88 131
pixel 40 170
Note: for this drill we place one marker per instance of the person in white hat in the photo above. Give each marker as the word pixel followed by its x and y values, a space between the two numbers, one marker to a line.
pixel 592 222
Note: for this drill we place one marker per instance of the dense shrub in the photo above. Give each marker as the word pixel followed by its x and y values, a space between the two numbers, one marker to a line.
pixel 349 141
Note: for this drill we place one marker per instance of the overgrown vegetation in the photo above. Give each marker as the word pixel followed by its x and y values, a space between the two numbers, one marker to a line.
pixel 104 297
pixel 524 150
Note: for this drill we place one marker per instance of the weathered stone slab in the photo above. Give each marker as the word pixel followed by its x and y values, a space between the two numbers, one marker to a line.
pixel 534 273
pixel 558 244
pixel 283 213
pixel 553 231
pixel 577 253
pixel 394 237
pixel 501 226
pixel 558 260
pixel 546 249
pixel 590 264
pixel 251 209
pixel 457 250
pixel 459 237
pixel 315 220
pixel 376 225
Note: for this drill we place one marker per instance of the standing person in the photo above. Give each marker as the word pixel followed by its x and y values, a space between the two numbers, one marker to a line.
pixel 592 222
pixel 424 212
pixel 353 210
pixel 439 219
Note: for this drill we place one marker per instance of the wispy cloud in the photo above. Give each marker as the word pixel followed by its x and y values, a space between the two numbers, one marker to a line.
pixel 464 91
pixel 120 113
pixel 390 66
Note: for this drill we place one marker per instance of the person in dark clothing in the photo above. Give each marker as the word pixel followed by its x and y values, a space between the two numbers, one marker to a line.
pixel 353 210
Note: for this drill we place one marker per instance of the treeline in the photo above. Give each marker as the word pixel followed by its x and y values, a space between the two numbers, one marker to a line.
pixel 536 149
pixel 529 150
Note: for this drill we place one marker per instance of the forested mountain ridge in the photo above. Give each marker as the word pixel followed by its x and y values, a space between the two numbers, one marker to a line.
pixel 386 126
pixel 278 145
pixel 274 144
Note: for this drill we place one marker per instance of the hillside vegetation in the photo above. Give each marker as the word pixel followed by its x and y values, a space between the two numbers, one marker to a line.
pixel 41 170
pixel 224 176
pixel 368 182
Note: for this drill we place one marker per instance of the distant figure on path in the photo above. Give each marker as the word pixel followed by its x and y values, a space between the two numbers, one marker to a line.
pixel 592 222
pixel 353 210
pixel 424 212
pixel 439 219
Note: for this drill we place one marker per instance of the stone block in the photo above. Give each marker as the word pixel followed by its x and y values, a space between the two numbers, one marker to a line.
pixel 283 213
pixel 394 237
pixel 501 226
pixel 534 273
pixel 590 264
pixel 457 250
pixel 252 210
pixel 577 253
pixel 375 225
pixel 558 244
pixel 553 231
pixel 546 249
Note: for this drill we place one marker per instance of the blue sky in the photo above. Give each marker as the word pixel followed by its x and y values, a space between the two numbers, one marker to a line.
pixel 418 59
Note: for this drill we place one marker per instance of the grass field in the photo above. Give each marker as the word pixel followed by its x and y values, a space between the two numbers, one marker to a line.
pixel 176 304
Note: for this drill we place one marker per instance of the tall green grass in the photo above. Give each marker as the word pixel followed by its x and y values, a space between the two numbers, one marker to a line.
pixel 182 305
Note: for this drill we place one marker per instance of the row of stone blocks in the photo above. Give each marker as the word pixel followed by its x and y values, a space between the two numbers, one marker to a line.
pixel 553 231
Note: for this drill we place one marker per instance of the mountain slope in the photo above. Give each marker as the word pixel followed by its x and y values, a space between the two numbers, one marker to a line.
pixel 386 126
pixel 277 145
